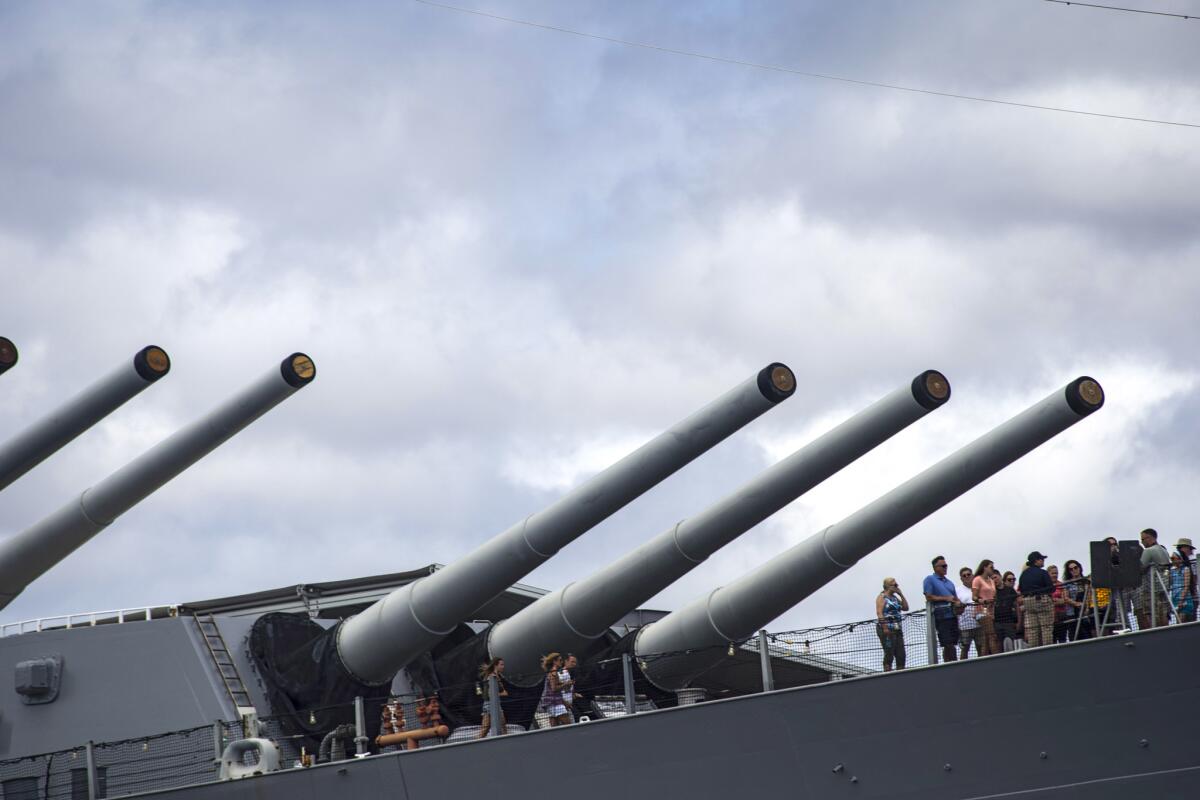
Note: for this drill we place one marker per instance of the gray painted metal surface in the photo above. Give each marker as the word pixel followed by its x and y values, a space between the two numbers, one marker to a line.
pixel 9 355
pixel 119 681
pixel 39 441
pixel 579 613
pixel 376 643
pixel 29 554
pixel 1113 717
pixel 734 612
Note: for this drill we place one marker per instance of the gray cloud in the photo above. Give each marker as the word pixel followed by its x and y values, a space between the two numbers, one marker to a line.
pixel 511 250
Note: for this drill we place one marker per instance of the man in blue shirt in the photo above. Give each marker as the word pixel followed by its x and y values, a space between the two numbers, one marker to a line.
pixel 942 598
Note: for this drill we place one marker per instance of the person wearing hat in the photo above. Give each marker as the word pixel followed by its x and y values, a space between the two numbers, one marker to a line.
pixel 1037 588
pixel 1181 590
pixel 1191 597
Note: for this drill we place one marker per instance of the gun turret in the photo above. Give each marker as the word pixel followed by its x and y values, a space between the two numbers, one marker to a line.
pixel 579 613
pixel 8 354
pixel 27 555
pixel 39 441
pixel 734 612
pixel 375 644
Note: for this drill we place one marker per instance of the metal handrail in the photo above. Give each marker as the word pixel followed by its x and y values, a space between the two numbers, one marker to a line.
pixel 88 619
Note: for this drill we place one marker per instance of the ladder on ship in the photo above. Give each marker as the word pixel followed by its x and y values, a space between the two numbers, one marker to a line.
pixel 223 661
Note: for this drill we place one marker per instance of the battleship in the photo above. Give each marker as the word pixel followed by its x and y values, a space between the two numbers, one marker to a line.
pixel 370 687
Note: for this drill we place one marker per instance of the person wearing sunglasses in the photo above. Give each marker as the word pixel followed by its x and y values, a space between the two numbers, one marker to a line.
pixel 1074 590
pixel 941 596
pixel 1008 619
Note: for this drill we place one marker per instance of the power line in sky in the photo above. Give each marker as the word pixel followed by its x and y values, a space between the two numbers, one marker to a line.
pixel 802 73
pixel 1122 8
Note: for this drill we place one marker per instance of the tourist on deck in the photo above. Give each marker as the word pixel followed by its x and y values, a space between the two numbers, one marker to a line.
pixel 486 671
pixel 552 702
pixel 983 594
pixel 1059 632
pixel 1036 588
pixel 567 676
pixel 1187 554
pixel 1181 590
pixel 890 604
pixel 943 599
pixel 1007 613
pixel 1075 588
pixel 1155 575
pixel 968 620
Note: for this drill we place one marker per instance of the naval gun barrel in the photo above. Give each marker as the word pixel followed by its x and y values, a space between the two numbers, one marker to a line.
pixel 375 644
pixel 8 354
pixel 27 555
pixel 579 613
pixel 732 613
pixel 39 441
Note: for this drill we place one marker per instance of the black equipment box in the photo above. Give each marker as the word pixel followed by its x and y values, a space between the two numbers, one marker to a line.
pixel 1116 569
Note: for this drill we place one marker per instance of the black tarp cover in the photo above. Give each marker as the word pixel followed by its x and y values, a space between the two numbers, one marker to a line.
pixel 304 677
pixel 456 673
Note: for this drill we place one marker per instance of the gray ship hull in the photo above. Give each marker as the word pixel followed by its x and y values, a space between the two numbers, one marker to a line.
pixel 1109 718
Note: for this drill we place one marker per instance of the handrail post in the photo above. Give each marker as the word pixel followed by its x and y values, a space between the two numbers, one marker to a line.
pixel 1162 582
pixel 218 731
pixel 1153 591
pixel 627 671
pixel 92 778
pixel 930 635
pixel 764 655
pixel 497 714
pixel 360 728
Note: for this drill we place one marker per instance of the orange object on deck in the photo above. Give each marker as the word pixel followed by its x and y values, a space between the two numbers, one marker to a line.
pixel 440 731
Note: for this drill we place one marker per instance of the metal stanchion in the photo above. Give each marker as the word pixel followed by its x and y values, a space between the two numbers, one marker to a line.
pixel 360 728
pixel 764 655
pixel 1166 592
pixel 92 778
pixel 1119 595
pixel 630 698
pixel 497 725
pixel 218 743
pixel 1153 605
pixel 930 635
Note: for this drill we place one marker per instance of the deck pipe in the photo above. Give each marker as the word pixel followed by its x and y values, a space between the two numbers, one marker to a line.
pixel 686 642
pixel 29 554
pixel 39 441
pixel 573 617
pixel 374 645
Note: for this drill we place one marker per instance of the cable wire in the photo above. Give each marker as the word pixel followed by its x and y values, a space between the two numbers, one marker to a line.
pixel 802 73
pixel 1122 8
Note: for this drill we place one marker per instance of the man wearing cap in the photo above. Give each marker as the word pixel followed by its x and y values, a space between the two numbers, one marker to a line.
pixel 1188 554
pixel 1156 564
pixel 1036 588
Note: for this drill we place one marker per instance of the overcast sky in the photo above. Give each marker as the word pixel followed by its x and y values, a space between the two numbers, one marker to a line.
pixel 516 254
